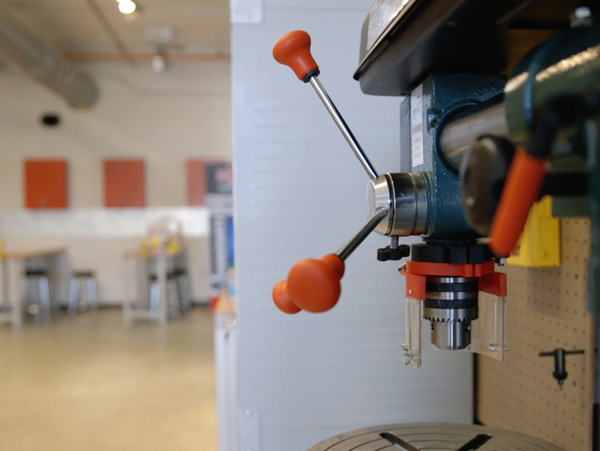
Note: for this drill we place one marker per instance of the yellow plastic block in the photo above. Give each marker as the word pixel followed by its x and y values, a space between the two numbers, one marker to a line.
pixel 539 245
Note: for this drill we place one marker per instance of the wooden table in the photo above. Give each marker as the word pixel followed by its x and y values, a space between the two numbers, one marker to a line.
pixel 13 271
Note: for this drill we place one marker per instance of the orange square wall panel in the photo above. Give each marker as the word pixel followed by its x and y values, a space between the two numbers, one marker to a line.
pixel 195 169
pixel 45 184
pixel 124 183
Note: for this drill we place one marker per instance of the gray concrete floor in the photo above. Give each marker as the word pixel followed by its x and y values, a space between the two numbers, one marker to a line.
pixel 86 383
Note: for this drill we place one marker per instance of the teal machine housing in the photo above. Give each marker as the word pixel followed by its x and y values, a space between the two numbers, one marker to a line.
pixel 443 96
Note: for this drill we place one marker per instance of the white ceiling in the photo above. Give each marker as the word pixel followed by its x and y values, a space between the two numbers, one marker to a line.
pixel 200 26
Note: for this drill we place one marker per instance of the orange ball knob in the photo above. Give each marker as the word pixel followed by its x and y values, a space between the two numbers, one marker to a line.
pixel 314 285
pixel 293 50
pixel 282 299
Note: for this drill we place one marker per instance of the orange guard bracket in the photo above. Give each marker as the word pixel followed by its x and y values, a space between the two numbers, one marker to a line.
pixel 416 273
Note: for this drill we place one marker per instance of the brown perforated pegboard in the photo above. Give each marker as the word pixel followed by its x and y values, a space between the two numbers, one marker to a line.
pixel 546 309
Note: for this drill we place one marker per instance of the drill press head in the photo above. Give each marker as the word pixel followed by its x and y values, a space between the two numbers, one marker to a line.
pixel 446 269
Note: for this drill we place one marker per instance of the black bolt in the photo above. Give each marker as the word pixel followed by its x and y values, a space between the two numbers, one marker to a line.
pixel 393 253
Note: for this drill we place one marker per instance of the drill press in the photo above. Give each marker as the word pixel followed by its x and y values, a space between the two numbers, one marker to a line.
pixel 478 152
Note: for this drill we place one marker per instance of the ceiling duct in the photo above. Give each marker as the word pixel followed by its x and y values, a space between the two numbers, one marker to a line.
pixel 78 89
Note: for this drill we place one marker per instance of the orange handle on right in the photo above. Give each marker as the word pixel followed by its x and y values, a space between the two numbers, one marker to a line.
pixel 522 188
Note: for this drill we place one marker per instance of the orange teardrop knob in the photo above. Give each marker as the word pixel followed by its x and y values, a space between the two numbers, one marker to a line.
pixel 293 50
pixel 281 298
pixel 314 285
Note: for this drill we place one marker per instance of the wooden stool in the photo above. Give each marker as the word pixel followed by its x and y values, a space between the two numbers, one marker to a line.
pixel 172 294
pixel 39 277
pixel 183 289
pixel 88 279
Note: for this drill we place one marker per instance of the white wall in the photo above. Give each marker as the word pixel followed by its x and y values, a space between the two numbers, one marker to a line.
pixel 300 193
pixel 162 118
pixel 98 239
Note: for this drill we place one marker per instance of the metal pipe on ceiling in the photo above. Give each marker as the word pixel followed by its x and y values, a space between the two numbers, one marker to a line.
pixel 79 90
pixel 171 57
pixel 112 33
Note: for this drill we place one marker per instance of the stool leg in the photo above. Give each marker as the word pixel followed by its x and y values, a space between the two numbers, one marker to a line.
pixel 31 297
pixel 183 282
pixel 73 296
pixel 173 298
pixel 154 296
pixel 92 292
pixel 45 299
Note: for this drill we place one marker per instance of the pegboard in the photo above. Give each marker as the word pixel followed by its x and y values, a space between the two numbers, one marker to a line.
pixel 546 309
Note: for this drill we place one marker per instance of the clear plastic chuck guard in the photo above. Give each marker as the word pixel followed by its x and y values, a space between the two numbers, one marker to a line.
pixel 488 333
pixel 484 333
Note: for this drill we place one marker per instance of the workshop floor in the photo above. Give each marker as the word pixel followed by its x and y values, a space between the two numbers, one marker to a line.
pixel 86 383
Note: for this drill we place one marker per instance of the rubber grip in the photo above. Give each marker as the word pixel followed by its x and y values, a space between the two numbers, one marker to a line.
pixel 522 188
pixel 293 50
pixel 314 284
pixel 282 299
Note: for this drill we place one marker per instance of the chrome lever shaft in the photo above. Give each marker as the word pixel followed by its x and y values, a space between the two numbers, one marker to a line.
pixel 347 249
pixel 339 121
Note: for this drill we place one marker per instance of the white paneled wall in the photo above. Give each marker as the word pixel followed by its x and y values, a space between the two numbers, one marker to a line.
pixel 299 193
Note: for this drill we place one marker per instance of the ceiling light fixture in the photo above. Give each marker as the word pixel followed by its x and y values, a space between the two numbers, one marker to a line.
pixel 126 6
